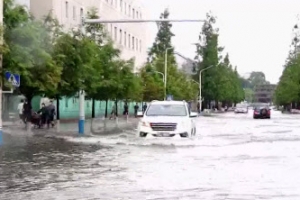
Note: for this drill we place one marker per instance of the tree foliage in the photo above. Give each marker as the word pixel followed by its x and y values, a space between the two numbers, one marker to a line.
pixel 288 89
pixel 29 51
pixel 220 82
pixel 55 63
pixel 179 84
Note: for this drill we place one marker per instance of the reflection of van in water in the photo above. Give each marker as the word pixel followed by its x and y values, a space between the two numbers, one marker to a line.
pixel 241 108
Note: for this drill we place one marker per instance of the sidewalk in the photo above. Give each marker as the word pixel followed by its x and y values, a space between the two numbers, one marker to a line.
pixel 98 126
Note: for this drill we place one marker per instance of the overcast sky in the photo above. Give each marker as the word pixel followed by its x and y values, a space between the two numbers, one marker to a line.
pixel 256 33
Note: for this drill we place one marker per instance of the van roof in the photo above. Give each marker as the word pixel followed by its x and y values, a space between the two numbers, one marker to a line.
pixel 168 102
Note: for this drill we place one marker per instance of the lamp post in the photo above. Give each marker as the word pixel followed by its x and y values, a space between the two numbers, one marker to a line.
pixel 162 74
pixel 200 86
pixel 166 71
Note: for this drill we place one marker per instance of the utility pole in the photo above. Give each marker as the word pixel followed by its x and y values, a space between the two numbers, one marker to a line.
pixel 200 86
pixel 1 62
pixel 166 71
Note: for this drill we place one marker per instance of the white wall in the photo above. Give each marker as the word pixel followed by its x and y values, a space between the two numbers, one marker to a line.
pixel 69 14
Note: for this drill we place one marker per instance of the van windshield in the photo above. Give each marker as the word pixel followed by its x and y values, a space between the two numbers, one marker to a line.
pixel 166 110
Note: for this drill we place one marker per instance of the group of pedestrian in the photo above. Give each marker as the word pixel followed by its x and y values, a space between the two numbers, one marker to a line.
pixel 44 116
pixel 126 110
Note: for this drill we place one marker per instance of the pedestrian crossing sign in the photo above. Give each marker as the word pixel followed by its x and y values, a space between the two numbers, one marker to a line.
pixel 14 79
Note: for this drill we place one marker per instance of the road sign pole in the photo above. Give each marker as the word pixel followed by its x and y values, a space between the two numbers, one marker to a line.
pixel 81 113
pixel 1 83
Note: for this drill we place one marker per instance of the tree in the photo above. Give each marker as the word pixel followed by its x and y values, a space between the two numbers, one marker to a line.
pixel 152 82
pixel 288 89
pixel 29 52
pixel 221 82
pixel 178 84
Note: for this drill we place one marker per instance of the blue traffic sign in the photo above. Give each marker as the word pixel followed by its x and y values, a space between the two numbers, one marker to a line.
pixel 14 79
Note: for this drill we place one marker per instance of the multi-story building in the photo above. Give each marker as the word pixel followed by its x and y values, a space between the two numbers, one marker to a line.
pixel 264 93
pixel 130 38
pixel 25 3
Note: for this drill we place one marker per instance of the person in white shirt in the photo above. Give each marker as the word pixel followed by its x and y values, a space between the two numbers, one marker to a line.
pixel 21 110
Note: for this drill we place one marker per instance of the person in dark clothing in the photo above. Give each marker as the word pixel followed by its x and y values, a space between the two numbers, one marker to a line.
pixel 125 109
pixel 51 114
pixel 136 108
pixel 44 114
pixel 198 107
pixel 27 111
pixel 144 108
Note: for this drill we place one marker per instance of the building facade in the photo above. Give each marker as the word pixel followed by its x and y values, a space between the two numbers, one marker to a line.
pixel 264 93
pixel 130 38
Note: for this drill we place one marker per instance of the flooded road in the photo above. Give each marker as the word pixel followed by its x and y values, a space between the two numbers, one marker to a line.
pixel 232 157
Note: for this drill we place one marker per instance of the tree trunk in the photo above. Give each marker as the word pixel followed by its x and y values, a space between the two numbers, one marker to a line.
pixel 57 113
pixel 93 108
pixel 57 108
pixel 106 102
pixel 116 102
pixel 28 114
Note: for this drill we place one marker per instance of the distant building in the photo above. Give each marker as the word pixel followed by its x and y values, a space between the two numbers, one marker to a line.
pixel 25 3
pixel 185 64
pixel 188 67
pixel 264 93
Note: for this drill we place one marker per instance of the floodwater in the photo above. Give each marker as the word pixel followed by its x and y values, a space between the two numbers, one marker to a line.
pixel 232 157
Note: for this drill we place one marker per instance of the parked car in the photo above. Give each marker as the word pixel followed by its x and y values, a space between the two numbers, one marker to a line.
pixel 140 113
pixel 262 113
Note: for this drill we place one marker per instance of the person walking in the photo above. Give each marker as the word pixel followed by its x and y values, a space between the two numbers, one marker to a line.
pixel 21 111
pixel 136 108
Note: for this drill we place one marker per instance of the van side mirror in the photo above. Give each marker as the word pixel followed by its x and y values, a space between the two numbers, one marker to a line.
pixel 193 114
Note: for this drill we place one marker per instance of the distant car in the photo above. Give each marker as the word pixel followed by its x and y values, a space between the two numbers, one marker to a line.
pixel 140 113
pixel 241 109
pixel 262 113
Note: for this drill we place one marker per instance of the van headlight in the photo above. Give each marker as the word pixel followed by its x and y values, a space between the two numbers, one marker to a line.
pixel 145 124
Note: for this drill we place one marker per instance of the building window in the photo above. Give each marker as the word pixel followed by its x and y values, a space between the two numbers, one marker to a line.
pixel 67 9
pixel 74 12
pixel 116 34
pixel 140 15
pixel 121 36
pixel 133 13
pixel 111 29
pixel 137 44
pixel 140 45
pixel 129 10
pixel 125 39
pixel 81 12
pixel 125 8
pixel 121 5
pixel 133 43
pixel 137 14
pixel 129 37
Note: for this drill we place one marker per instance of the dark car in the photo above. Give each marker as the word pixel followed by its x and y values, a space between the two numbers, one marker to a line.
pixel 262 113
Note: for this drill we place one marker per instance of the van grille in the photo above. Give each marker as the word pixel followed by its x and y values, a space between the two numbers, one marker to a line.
pixel 163 126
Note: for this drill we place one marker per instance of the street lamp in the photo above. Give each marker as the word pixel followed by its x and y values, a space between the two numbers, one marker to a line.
pixel 166 70
pixel 200 86
pixel 162 74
